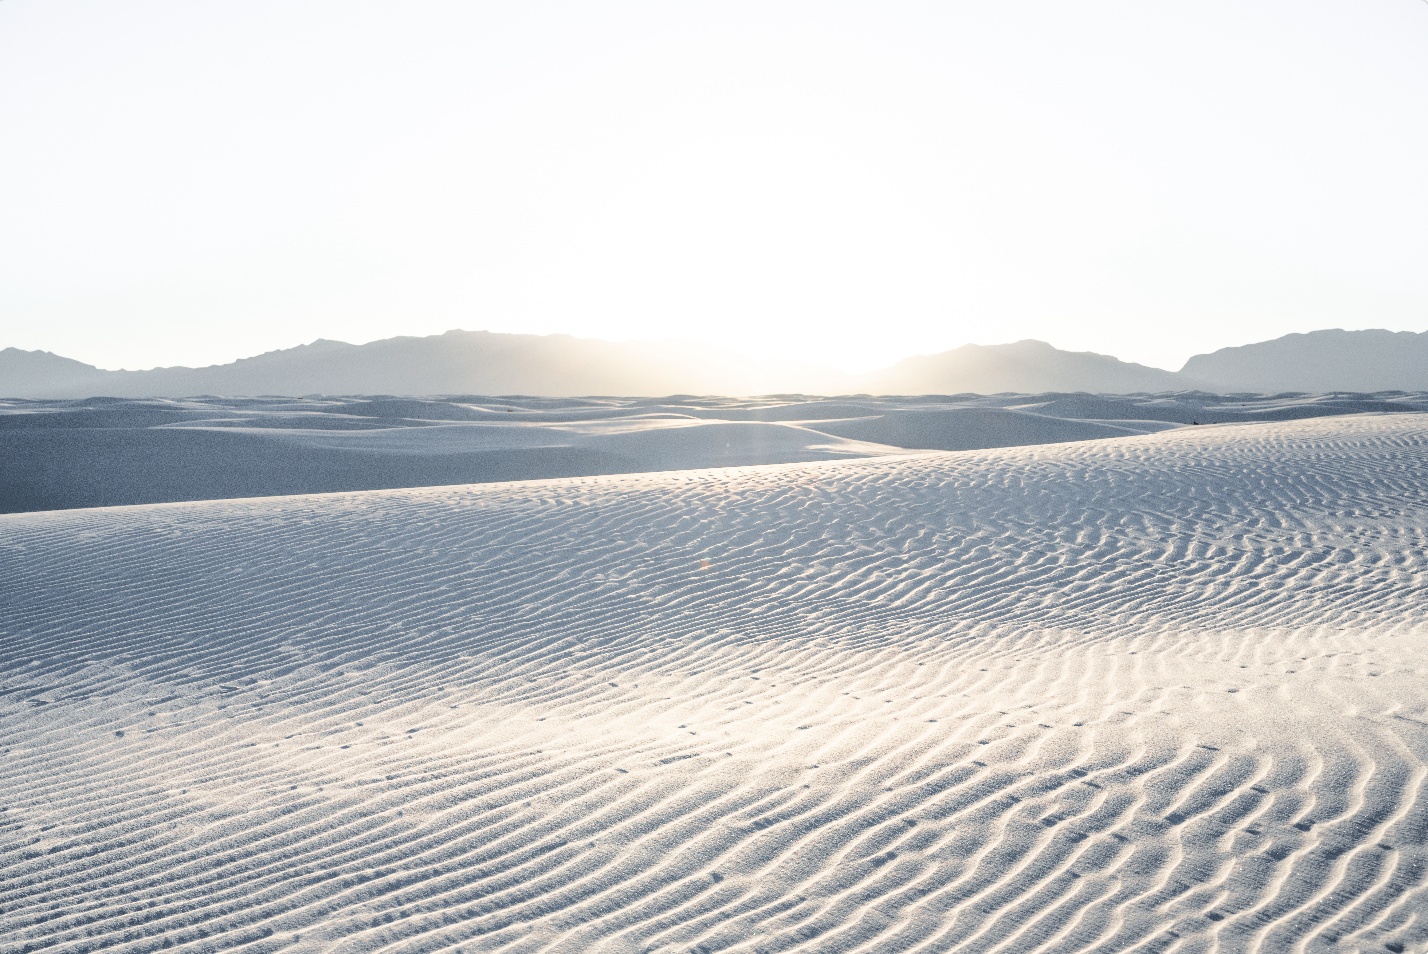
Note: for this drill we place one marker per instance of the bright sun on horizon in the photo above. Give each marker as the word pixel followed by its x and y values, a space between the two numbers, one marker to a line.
pixel 847 183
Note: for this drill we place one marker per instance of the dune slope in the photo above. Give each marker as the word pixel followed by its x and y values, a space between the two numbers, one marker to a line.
pixel 106 452
pixel 1154 693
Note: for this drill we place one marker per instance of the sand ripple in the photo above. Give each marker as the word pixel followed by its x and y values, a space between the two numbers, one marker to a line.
pixel 1160 693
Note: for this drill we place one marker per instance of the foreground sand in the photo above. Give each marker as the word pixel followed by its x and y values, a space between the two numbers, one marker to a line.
pixel 1160 693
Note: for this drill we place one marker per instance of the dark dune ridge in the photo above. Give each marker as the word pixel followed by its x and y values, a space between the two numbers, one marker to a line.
pixel 97 452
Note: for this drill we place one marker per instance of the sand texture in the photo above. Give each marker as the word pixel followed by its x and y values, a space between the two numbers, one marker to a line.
pixel 1152 693
pixel 104 452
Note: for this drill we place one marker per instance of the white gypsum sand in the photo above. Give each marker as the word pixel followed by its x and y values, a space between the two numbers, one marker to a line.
pixel 105 452
pixel 1156 693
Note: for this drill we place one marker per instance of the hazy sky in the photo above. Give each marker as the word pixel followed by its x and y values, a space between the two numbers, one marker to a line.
pixel 192 181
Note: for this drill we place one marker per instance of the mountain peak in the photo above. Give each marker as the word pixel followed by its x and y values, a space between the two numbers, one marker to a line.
pixel 1330 359
pixel 493 363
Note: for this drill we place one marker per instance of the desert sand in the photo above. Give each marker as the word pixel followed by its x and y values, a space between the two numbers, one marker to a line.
pixel 1159 692
pixel 59 455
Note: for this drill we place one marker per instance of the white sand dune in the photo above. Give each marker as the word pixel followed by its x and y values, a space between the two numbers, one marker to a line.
pixel 60 455
pixel 1156 693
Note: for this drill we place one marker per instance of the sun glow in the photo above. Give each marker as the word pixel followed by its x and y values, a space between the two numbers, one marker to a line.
pixel 849 183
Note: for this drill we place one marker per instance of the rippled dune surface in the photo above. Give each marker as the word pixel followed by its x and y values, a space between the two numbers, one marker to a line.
pixel 1154 693
pixel 108 452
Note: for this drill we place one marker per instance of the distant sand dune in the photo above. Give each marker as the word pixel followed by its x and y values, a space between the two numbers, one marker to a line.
pixel 104 452
pixel 1156 693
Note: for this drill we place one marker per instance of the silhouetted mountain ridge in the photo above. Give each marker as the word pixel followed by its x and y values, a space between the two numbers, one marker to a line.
pixel 479 362
pixel 1329 360
pixel 491 363
pixel 1024 367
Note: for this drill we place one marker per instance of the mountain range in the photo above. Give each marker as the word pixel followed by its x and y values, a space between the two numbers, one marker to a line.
pixel 482 362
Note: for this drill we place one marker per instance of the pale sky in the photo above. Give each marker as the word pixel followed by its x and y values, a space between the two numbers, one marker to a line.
pixel 193 181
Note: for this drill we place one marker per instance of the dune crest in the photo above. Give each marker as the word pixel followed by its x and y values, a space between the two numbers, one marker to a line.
pixel 60 455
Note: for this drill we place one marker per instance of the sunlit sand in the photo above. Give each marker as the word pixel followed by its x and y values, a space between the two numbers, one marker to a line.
pixel 1157 693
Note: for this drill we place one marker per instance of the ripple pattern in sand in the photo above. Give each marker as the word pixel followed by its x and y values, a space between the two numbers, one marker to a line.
pixel 1154 694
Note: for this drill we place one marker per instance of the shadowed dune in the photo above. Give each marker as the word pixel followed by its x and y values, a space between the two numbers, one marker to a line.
pixel 98 452
pixel 1155 693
